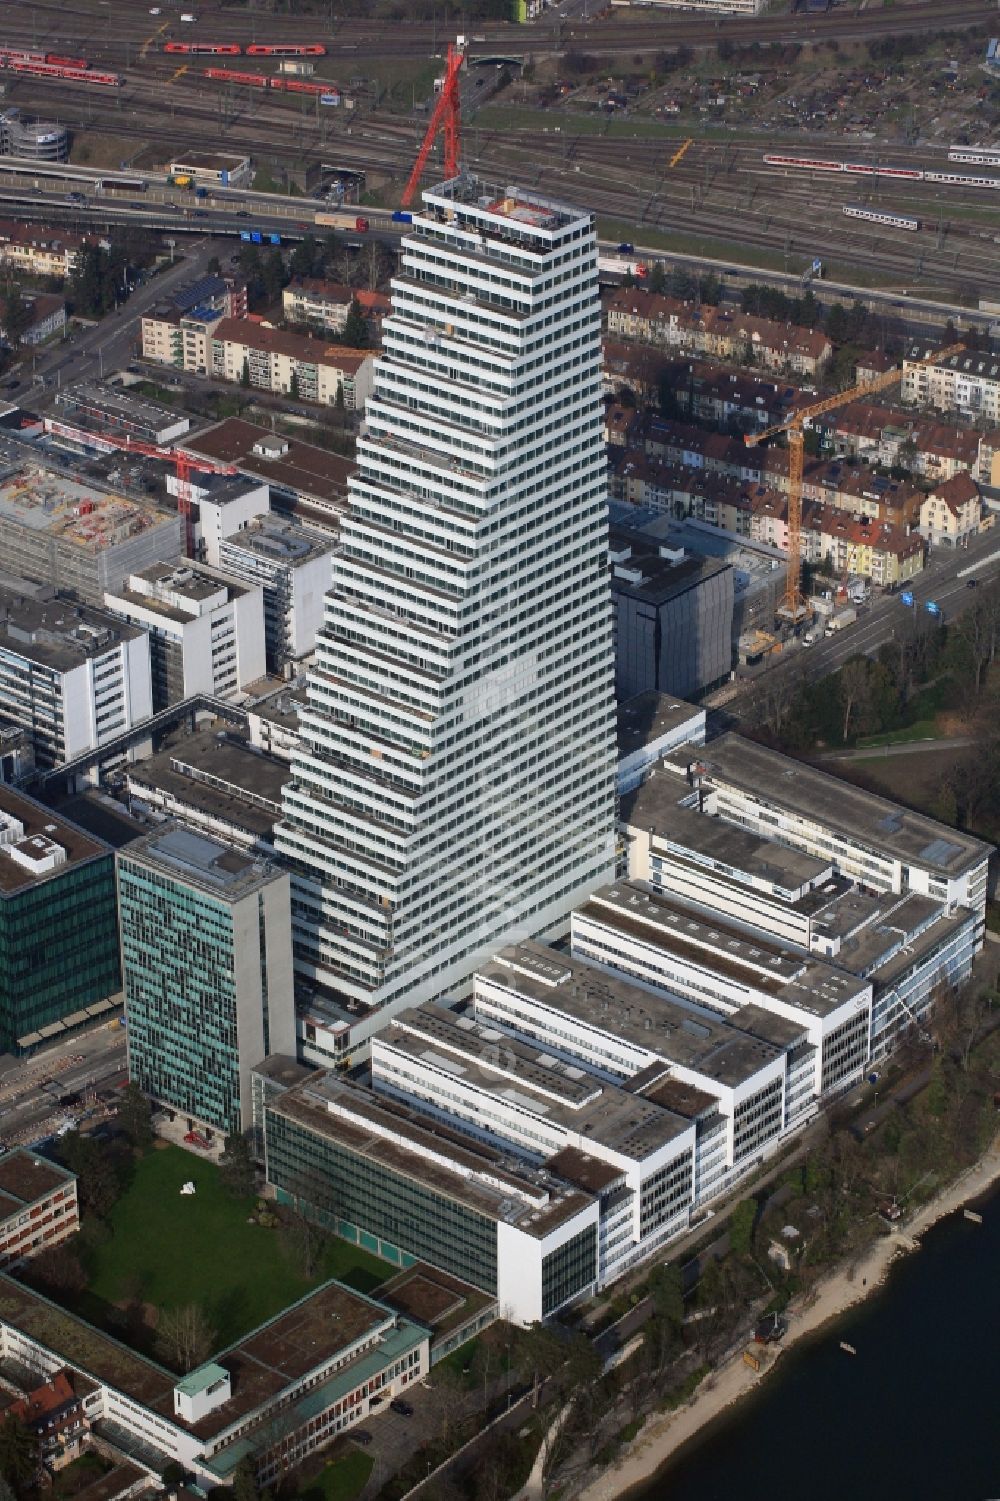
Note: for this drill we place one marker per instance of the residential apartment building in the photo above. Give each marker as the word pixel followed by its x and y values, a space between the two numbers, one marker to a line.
pixel 273 1397
pixel 39 249
pixel 38 1205
pixel 292 364
pixel 206 966
pixel 54 1415
pixel 968 383
pixel 474 797
pixel 952 513
pixel 326 304
pixel 59 965
pixel 722 332
pixel 73 677
pixel 46 317
pixel 293 566
pixel 205 630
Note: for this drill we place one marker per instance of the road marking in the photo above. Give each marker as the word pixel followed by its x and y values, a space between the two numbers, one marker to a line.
pixel 974 567
pixel 680 153
pixel 182 69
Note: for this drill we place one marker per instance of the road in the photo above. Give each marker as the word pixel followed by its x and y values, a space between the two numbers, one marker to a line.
pixel 30 1088
pixel 111 342
pixel 944 581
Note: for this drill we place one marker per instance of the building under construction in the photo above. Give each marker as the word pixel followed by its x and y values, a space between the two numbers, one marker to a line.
pixel 82 540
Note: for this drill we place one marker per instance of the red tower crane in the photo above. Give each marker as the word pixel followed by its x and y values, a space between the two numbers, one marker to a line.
pixel 447 112
pixel 184 463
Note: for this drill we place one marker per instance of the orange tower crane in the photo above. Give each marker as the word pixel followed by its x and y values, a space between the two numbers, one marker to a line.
pixel 792 607
pixel 447 112
pixel 185 464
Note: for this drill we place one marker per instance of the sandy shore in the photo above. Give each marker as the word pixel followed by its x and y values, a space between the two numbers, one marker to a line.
pixel 663 1435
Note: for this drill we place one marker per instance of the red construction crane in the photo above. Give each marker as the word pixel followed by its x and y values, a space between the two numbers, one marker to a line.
pixel 447 111
pixel 185 464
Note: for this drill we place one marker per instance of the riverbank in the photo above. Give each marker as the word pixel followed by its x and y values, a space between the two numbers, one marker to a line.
pixel 662 1436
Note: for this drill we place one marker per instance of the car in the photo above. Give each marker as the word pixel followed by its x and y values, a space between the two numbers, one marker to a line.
pixel 405 1409
pixel 626 248
pixel 972 583
pixel 154 10
pixel 242 213
pixel 361 1436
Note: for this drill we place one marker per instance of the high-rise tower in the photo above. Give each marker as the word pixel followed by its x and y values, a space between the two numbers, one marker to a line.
pixel 455 783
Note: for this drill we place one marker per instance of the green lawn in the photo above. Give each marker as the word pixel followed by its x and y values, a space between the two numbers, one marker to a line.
pixel 340 1479
pixel 922 729
pixel 169 1250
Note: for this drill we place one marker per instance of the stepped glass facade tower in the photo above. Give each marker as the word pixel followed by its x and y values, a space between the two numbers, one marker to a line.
pixel 454 788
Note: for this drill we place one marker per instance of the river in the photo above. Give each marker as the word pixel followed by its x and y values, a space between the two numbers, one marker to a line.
pixel 913 1416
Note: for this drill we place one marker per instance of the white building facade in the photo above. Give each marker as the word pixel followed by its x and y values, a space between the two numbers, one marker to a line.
pixel 455 784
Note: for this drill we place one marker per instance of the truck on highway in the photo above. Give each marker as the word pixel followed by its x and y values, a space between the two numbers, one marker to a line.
pixel 342 221
pixel 837 621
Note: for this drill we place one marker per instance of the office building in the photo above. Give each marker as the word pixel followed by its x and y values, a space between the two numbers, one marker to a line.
pixel 222 504
pixel 38 1205
pixel 205 629
pixel 76 537
pixel 72 677
pixel 216 783
pixel 673 617
pixel 293 567
pixel 455 784
pixel 649 727
pixel 305 482
pixel 206 965
pixel 105 408
pixel 379 1172
pixel 287 1388
pixel 59 964
pixel 642 1156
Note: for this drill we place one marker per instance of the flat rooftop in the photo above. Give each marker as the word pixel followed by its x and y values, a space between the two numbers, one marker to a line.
pixel 648 716
pixel 40 824
pixel 656 806
pixel 216 869
pixel 288 464
pixel 711 945
pixel 503 204
pixel 58 633
pixel 25 1178
pixel 117 407
pixel 279 540
pixel 72 511
pixel 219 774
pixel 870 821
pixel 448 1162
pixel 664 1025
pixel 644 574
pixel 531 1080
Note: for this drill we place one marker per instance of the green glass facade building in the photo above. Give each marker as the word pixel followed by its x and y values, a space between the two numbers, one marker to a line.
pixel 206 963
pixel 59 961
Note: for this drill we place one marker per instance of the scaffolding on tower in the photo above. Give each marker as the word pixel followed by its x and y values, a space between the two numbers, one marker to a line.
pixel 447 112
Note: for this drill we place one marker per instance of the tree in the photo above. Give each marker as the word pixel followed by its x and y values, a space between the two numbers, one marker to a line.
pixel 245 372
pixel 852 688
pixel 7 1492
pixel 98 1183
pixel 667 1291
pixel 245 1481
pixel 537 1354
pixel 59 1268
pixel 185 1336
pixel 272 275
pixel 657 279
pixel 172 1473
pixel 15 316
pixel 214 267
pixel 741 1226
pixel 236 1170
pixel 355 332
pixel 18 1452
pixel 136 1117
pixel 293 386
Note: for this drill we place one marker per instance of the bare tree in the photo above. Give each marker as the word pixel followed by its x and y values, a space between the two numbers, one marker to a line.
pixel 853 689
pixel 185 1335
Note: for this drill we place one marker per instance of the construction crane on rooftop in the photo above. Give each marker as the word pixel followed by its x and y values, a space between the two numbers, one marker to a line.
pixel 793 607
pixel 447 112
pixel 184 463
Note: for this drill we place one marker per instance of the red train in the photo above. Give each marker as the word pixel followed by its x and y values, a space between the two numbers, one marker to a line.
pixel 20 55
pixel 68 75
pixel 227 49
pixel 285 49
pixel 266 81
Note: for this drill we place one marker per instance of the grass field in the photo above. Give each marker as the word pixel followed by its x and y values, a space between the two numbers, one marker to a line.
pixel 340 1480
pixel 169 1250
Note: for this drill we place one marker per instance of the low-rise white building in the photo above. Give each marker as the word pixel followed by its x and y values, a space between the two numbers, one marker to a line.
pixel 221 506
pixel 650 726
pixel 206 631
